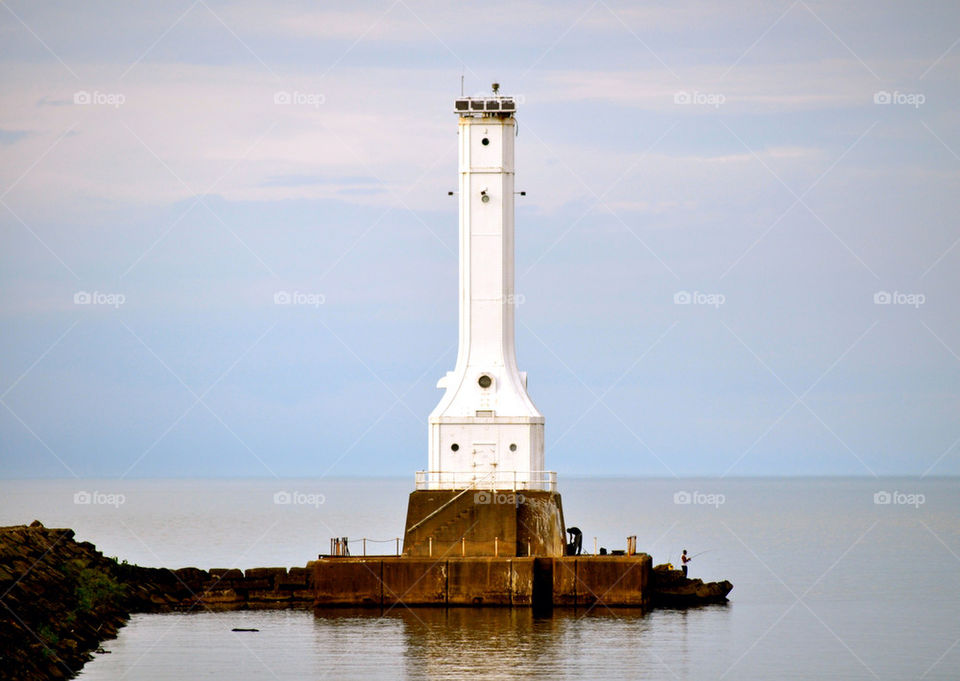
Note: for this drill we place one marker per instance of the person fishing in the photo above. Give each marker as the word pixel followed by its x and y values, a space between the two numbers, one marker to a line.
pixel 684 559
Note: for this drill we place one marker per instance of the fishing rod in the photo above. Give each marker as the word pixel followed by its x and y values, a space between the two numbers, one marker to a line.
pixel 701 553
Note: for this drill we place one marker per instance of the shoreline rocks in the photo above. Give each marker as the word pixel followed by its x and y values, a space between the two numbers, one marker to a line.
pixel 60 599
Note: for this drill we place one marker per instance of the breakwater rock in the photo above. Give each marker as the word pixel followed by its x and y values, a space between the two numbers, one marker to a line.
pixel 60 598
pixel 670 588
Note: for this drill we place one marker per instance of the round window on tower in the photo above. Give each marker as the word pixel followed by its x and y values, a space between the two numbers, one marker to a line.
pixel 513 448
pixel 485 141
pixel 454 447
pixel 485 381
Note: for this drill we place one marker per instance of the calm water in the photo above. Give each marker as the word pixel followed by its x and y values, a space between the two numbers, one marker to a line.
pixel 828 583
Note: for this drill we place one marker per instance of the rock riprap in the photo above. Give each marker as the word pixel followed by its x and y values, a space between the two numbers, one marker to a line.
pixel 672 589
pixel 60 598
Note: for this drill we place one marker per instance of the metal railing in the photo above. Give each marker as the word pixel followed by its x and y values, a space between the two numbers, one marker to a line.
pixel 494 480
pixel 340 546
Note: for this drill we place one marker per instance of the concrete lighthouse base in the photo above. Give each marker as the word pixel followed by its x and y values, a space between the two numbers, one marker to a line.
pixel 488 523
pixel 482 547
pixel 572 581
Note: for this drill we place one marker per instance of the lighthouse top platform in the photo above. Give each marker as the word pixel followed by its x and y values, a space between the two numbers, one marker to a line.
pixel 494 105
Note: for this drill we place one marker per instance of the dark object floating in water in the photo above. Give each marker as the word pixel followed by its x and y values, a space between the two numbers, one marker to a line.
pixel 241 629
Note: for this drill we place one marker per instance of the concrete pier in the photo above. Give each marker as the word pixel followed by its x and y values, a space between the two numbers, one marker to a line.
pixel 613 581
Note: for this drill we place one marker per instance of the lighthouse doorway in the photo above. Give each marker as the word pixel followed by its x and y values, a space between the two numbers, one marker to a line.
pixel 485 462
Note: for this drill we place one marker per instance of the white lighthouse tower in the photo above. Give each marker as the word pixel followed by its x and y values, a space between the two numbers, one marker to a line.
pixel 486 431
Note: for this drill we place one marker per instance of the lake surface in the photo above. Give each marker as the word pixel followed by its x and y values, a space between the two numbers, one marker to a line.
pixel 828 583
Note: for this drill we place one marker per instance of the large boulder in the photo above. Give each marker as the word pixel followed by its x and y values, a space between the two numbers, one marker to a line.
pixel 671 588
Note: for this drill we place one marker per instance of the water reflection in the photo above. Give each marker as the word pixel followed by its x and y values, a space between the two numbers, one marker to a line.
pixel 440 643
pixel 428 643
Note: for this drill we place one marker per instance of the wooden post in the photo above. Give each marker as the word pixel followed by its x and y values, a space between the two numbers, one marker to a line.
pixel 496 547
pixel 431 546
pixel 364 546
pixel 463 547
pixel 528 548
pixel 398 546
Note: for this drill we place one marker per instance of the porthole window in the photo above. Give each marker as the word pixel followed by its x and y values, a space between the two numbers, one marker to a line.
pixel 485 381
pixel 513 448
pixel 454 447
pixel 485 141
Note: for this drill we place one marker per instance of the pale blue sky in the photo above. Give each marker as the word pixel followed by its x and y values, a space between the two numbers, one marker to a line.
pixel 197 158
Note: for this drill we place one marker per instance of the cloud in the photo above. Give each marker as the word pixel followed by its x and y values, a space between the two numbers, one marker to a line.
pixel 412 22
pixel 8 137
pixel 764 88
pixel 306 180
pixel 174 134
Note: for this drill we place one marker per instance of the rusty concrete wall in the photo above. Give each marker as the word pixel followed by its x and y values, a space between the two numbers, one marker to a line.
pixel 347 581
pixel 602 580
pixel 540 522
pixel 412 580
pixel 576 581
pixel 484 523
pixel 613 580
pixel 521 581
pixel 565 581
pixel 486 581
pixel 488 529
pixel 415 582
